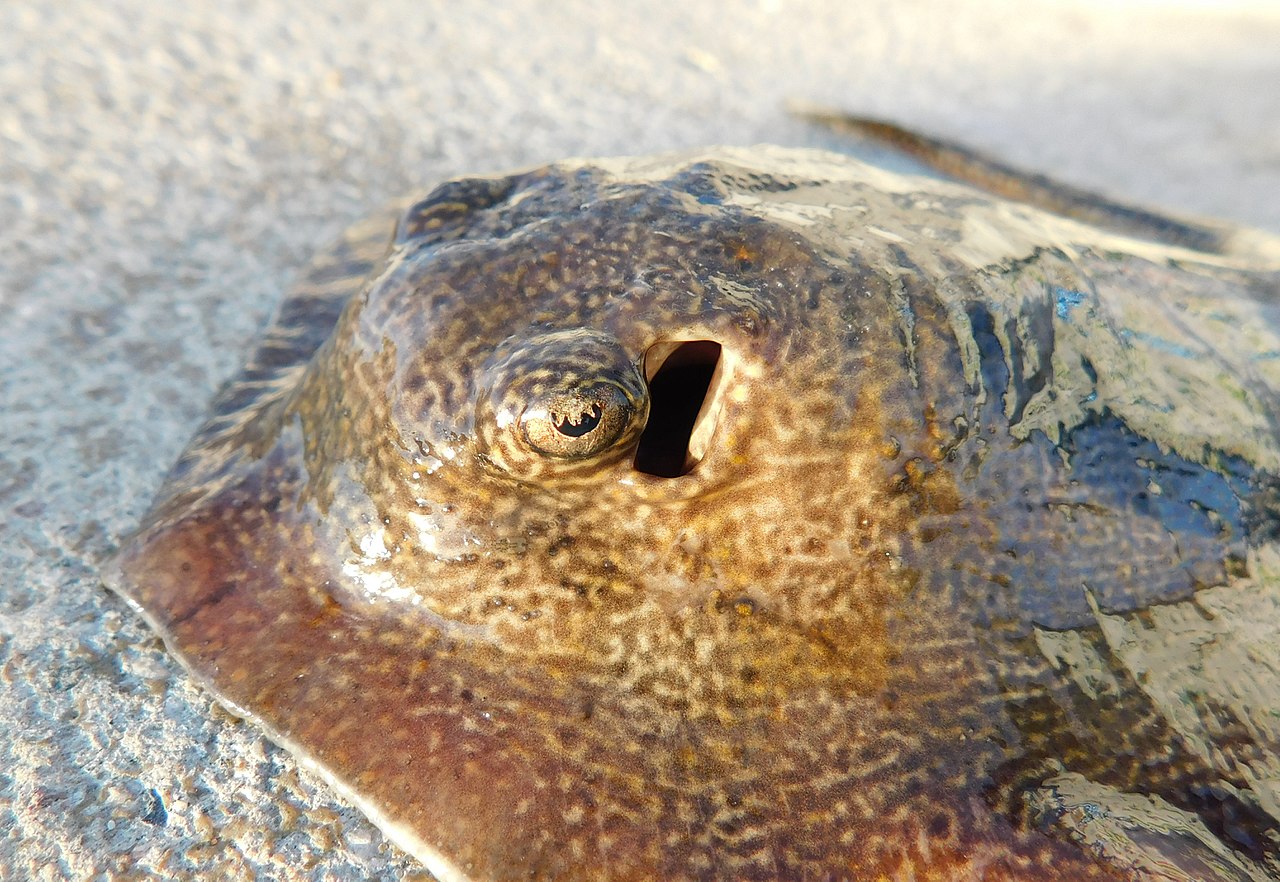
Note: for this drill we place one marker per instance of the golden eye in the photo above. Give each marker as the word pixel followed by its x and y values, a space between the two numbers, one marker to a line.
pixel 575 424
pixel 560 404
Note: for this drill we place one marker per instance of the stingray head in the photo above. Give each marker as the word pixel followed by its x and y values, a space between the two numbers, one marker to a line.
pixel 582 549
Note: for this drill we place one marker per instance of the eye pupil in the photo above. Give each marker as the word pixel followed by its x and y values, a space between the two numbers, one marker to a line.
pixel 578 422
pixel 585 422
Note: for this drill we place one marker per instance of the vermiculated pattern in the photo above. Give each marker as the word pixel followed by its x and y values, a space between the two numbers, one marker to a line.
pixel 867 637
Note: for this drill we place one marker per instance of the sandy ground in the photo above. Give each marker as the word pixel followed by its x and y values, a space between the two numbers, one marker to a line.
pixel 165 171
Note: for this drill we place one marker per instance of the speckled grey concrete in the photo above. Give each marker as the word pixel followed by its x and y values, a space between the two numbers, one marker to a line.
pixel 164 172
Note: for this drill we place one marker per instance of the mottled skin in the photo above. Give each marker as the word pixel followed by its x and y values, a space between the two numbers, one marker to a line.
pixel 959 445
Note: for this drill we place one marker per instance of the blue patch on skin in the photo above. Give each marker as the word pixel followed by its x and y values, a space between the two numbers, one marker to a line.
pixel 1188 523
pixel 700 182
pixel 1066 300
pixel 156 813
pixel 1160 343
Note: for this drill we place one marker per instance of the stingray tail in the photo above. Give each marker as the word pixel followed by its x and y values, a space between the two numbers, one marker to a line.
pixel 971 167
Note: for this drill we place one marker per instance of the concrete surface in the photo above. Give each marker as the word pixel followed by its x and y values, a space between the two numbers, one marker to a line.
pixel 165 170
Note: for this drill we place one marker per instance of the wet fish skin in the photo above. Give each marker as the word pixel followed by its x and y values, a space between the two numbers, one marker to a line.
pixel 961 448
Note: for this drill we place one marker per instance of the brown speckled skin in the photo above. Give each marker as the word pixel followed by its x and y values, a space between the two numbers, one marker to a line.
pixel 821 655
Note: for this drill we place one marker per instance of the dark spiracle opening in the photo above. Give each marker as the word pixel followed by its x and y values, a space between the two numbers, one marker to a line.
pixel 681 376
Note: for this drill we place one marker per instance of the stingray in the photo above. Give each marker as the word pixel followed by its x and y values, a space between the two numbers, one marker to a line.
pixel 755 514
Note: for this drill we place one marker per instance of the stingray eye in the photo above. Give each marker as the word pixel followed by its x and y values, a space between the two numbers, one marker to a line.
pixel 561 404
pixel 579 423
